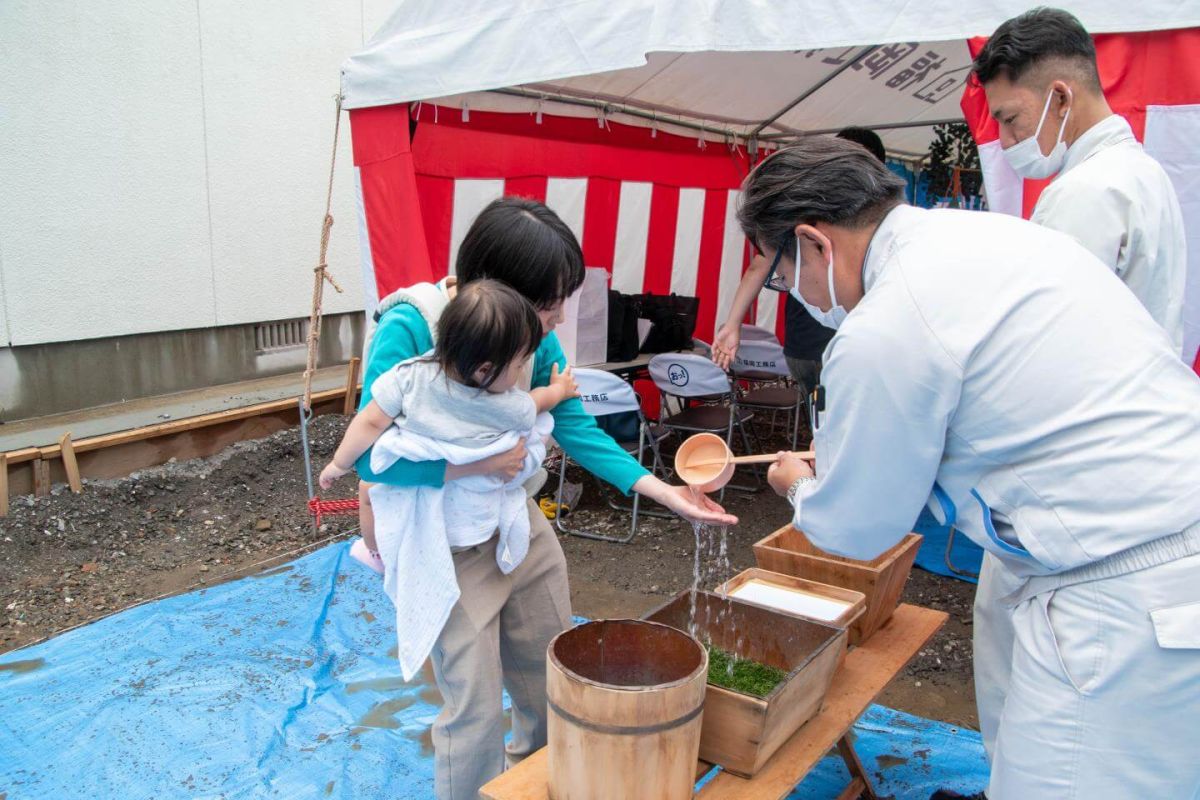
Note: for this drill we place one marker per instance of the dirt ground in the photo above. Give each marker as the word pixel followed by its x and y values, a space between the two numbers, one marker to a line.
pixel 66 559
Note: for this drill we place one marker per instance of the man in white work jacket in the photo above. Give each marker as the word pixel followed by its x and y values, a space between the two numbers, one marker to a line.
pixel 1039 73
pixel 968 365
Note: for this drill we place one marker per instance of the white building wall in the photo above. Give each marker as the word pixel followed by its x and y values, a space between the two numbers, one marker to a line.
pixel 164 165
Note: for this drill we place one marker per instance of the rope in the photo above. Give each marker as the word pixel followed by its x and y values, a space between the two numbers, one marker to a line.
pixel 320 272
pixel 318 508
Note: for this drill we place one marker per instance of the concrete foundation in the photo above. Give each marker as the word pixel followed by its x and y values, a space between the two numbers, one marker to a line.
pixel 36 380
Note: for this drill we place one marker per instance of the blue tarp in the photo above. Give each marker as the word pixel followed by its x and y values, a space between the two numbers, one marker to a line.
pixel 966 556
pixel 284 685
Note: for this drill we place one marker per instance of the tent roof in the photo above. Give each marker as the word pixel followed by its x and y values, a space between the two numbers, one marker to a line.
pixel 722 68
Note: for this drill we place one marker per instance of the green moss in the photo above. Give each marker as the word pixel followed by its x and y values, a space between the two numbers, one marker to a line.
pixel 741 674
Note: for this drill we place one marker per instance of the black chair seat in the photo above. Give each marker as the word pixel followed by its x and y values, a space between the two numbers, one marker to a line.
pixel 772 397
pixel 711 419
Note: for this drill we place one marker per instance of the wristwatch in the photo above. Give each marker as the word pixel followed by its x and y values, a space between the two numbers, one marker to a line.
pixel 795 487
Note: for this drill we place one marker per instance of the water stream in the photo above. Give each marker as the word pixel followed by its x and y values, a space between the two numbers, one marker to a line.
pixel 710 568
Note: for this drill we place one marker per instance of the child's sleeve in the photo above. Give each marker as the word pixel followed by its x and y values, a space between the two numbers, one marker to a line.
pixel 577 432
pixel 389 389
pixel 401 334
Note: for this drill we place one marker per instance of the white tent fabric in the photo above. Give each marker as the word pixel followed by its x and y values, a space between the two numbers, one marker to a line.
pixel 731 65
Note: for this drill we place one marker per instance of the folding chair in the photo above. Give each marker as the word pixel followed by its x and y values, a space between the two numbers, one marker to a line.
pixel 753 333
pixel 604 396
pixel 764 360
pixel 686 377
pixel 756 337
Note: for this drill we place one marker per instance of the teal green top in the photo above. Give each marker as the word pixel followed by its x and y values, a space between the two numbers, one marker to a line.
pixel 402 333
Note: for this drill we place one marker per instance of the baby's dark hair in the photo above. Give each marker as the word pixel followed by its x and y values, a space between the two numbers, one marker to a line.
pixel 488 323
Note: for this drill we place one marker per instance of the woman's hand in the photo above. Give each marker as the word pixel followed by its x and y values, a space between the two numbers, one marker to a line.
pixel 680 500
pixel 786 471
pixel 505 465
pixel 725 344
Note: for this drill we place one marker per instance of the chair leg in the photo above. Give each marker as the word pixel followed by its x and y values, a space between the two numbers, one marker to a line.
pixel 794 416
pixel 614 505
pixel 733 422
pixel 561 526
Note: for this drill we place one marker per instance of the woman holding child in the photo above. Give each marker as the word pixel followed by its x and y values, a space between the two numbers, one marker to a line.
pixel 512 596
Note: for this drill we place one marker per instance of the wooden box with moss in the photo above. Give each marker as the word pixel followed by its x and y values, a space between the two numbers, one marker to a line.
pixel 741 731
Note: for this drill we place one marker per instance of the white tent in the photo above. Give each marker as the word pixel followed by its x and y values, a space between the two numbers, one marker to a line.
pixel 749 68
pixel 737 74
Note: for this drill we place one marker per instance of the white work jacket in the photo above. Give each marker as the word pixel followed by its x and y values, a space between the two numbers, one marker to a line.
pixel 1119 203
pixel 1006 364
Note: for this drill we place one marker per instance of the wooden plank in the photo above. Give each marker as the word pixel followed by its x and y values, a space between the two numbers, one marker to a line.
pixel 861 785
pixel 41 478
pixel 855 790
pixel 121 458
pixel 864 674
pixel 351 400
pixel 526 781
pixel 3 485
pixel 70 464
pixel 173 427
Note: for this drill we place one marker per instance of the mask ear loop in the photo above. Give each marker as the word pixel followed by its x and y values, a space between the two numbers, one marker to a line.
pixel 1067 116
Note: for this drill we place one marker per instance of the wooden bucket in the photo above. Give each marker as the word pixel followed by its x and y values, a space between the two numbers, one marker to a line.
pixel 625 700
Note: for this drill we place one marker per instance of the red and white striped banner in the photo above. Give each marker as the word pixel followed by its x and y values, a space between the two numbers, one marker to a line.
pixel 1153 80
pixel 658 212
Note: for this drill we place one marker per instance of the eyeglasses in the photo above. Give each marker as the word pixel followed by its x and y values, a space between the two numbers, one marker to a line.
pixel 775 282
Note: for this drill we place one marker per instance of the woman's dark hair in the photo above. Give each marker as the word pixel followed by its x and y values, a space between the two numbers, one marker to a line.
pixel 486 323
pixel 1020 44
pixel 821 179
pixel 524 244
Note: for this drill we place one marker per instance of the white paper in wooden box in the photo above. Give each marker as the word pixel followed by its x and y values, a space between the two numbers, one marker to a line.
pixel 792 601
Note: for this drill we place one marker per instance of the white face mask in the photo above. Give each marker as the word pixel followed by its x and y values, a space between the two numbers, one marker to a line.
pixel 1025 157
pixel 836 314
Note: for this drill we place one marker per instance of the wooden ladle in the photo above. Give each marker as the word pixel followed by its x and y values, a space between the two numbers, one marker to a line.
pixel 705 461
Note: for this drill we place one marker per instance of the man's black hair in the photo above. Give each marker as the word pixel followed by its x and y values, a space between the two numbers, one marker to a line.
pixel 1022 43
pixel 867 138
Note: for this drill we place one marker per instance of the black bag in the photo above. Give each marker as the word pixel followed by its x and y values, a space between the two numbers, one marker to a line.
pixel 622 327
pixel 673 321
pixel 622 427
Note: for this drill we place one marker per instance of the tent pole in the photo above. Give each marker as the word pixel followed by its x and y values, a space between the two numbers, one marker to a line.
pixel 883 126
pixel 613 108
pixel 810 91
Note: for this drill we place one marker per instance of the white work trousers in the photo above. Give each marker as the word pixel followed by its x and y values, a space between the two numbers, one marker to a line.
pixel 992 636
pixel 1092 690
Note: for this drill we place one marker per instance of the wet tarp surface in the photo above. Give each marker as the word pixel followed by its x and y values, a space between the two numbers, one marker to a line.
pixel 284 686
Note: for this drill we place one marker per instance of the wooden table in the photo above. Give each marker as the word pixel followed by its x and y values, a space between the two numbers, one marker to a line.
pixel 864 674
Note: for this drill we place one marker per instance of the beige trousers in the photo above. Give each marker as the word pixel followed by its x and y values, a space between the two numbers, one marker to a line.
pixel 496 637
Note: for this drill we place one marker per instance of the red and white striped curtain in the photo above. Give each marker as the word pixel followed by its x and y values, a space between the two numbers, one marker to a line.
pixel 658 211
